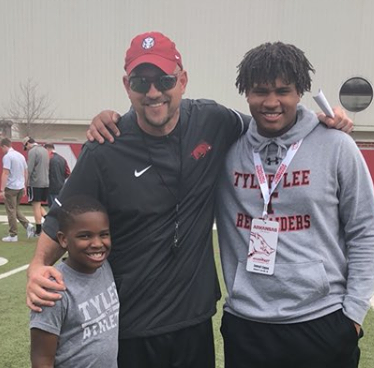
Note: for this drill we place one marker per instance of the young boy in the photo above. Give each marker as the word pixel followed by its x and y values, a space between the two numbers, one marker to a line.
pixel 81 330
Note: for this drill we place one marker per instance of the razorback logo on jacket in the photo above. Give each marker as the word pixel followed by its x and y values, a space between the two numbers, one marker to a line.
pixel 201 150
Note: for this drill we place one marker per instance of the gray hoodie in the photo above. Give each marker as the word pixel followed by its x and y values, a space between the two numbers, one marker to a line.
pixel 325 208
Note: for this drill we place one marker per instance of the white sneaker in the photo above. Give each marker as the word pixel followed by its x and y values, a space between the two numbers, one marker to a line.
pixel 10 239
pixel 30 231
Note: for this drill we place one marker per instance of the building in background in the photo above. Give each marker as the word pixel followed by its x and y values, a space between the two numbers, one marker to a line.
pixel 74 51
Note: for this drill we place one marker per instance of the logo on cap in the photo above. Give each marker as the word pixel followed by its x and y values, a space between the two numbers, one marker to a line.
pixel 148 43
pixel 153 48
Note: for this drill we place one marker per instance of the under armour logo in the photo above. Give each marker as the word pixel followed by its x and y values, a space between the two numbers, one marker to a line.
pixel 270 161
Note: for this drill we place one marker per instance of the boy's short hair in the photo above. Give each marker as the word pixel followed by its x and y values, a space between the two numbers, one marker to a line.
pixel 77 205
pixel 269 61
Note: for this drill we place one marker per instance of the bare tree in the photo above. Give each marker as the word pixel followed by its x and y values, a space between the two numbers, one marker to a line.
pixel 31 112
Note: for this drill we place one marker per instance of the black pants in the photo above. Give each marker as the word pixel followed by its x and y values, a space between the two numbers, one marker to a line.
pixel 327 342
pixel 191 347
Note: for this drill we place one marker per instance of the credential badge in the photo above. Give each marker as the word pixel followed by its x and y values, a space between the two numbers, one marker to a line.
pixel 148 43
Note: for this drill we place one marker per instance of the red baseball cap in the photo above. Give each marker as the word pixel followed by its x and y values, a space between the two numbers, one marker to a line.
pixel 153 48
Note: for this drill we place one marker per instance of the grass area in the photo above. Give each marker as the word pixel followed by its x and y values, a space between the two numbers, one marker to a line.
pixel 367 342
pixel 14 332
pixel 17 253
pixel 217 318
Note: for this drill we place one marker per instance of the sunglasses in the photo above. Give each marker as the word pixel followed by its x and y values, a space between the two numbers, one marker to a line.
pixel 162 83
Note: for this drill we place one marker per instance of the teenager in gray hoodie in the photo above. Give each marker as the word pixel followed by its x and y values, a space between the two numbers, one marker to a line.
pixel 305 296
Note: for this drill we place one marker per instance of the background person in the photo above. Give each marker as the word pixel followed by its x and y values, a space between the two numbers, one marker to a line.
pixel 81 330
pixel 13 180
pixel 299 301
pixel 59 171
pixel 38 179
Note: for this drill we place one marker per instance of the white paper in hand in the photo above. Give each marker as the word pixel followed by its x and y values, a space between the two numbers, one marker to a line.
pixel 323 104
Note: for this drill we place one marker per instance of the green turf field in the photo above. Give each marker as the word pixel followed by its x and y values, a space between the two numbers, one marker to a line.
pixel 14 333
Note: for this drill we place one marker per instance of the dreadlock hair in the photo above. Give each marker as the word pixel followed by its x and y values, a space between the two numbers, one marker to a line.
pixel 269 61
pixel 77 205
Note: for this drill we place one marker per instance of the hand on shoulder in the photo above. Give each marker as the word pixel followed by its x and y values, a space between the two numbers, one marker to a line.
pixel 101 126
pixel 340 121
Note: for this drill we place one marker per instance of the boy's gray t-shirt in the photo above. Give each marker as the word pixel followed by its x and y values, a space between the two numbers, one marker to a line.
pixel 85 319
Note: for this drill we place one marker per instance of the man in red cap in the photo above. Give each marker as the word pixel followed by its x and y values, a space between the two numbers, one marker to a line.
pixel 157 182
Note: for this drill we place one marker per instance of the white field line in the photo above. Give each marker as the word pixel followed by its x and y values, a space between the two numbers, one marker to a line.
pixel 3 220
pixel 12 272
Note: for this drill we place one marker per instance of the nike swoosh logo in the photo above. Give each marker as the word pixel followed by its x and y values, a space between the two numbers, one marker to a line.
pixel 139 173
